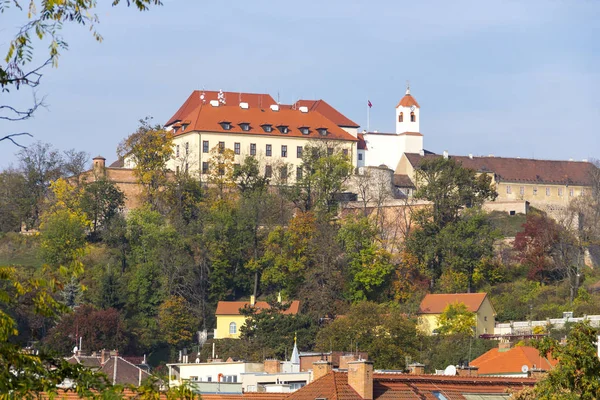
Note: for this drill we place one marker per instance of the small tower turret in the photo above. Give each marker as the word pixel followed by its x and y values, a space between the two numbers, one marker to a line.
pixel 407 114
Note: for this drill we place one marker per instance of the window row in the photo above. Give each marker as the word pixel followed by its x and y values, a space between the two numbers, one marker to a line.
pixel 413 117
pixel 268 128
pixel 237 149
pixel 283 175
pixel 560 191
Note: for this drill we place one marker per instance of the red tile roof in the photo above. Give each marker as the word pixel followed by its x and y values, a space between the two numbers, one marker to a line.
pixel 522 169
pixel 408 101
pixel 322 107
pixel 254 100
pixel 233 307
pixel 510 362
pixel 334 386
pixel 206 118
pixel 436 303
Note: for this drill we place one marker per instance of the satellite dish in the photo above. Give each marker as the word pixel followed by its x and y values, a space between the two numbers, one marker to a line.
pixel 525 369
pixel 450 370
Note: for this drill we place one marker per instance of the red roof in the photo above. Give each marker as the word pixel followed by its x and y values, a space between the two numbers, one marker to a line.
pixel 254 100
pixel 392 386
pixel 233 307
pixel 436 303
pixel 208 118
pixel 522 169
pixel 408 101
pixel 510 362
pixel 323 108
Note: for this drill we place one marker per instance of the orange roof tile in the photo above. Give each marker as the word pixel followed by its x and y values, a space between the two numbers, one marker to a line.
pixel 333 386
pixel 511 361
pixel 233 307
pixel 362 145
pixel 206 118
pixel 436 303
pixel 408 101
pixel 254 100
pixel 322 107
pixel 522 169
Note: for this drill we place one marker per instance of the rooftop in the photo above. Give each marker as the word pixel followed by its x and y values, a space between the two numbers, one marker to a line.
pixel 436 303
pixel 233 307
pixel 511 361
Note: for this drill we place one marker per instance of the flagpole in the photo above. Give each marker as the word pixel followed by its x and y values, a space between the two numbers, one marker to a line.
pixel 368 115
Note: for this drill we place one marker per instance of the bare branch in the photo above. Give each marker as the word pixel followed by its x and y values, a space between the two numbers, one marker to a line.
pixel 13 135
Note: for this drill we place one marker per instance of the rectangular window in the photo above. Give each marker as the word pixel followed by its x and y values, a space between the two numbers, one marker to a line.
pixel 187 148
pixel 571 192
pixel 330 151
pixel 252 149
pixel 268 171
pixel 522 190
pixel 230 378
pixel 269 150
pixel 547 191
pixel 283 150
pixel 535 191
pixel 177 151
pixel 221 147
pixel 205 147
pixel 283 174
pixel 299 152
pixel 508 189
pixel 360 156
pixel 345 152
pixel 194 378
pixel 209 379
pixel 237 148
pixel 205 167
pixel 560 191
pixel 299 173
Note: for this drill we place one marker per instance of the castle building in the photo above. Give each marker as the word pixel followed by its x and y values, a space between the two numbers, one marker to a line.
pixel 256 125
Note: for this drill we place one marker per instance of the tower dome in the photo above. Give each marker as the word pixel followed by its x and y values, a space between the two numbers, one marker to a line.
pixel 408 101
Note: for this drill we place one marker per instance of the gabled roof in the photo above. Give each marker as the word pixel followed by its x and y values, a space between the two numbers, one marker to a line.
pixel 403 181
pixel 436 303
pixel 233 307
pixel 325 109
pixel 254 100
pixel 495 362
pixel 122 372
pixel 395 386
pixel 208 118
pixel 522 169
pixel 333 386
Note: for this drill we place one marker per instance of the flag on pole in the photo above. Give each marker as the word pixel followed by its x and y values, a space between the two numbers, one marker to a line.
pixel 369 103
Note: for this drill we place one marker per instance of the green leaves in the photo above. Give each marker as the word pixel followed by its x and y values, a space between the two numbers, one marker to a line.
pixel 456 320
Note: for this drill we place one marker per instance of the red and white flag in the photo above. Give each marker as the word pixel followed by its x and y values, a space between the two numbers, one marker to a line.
pixel 369 103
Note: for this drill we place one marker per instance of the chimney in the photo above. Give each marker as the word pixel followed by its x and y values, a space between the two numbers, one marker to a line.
pixel 320 369
pixel 422 152
pixel 416 369
pixel 104 356
pixel 99 163
pixel 345 359
pixel 504 345
pixel 446 154
pixel 272 366
pixel 467 370
pixel 360 378
pixel 252 300
pixel 279 297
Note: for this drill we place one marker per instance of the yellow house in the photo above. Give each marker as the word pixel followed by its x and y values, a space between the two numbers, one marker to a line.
pixel 230 320
pixel 434 304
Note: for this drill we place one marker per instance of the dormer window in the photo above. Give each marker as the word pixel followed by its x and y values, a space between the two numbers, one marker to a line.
pixel 401 117
pixel 304 130
pixel 322 131
pixel 283 128
pixel 267 128
pixel 183 127
pixel 175 129
pixel 245 126
pixel 226 125
pixel 413 117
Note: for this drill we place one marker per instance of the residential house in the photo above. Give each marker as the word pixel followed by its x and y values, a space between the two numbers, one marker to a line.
pixel 433 305
pixel 118 370
pixel 230 320
pixel 520 361
pixel 212 377
pixel 361 382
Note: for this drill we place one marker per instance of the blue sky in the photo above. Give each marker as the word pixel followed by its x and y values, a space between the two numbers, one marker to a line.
pixel 510 78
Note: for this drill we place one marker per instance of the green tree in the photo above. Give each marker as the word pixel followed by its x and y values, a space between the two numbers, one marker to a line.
pixel 456 319
pixel 176 325
pixel 451 188
pixel 221 170
pixel 576 375
pixel 149 148
pixel 13 200
pixel 64 239
pixel 383 331
pixel 101 201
